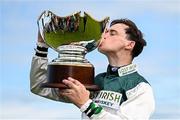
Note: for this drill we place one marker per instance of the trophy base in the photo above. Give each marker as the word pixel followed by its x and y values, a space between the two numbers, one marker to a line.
pixel 62 86
pixel 84 73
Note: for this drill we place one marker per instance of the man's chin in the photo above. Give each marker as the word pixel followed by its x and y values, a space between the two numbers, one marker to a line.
pixel 101 50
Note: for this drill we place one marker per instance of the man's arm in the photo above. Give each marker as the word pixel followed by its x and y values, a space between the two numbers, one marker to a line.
pixel 38 73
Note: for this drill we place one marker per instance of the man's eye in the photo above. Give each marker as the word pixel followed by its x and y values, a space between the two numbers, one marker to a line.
pixel 112 33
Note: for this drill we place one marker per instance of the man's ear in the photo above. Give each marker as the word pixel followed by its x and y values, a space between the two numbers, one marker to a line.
pixel 130 45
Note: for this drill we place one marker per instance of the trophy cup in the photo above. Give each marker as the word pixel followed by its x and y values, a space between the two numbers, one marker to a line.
pixel 72 37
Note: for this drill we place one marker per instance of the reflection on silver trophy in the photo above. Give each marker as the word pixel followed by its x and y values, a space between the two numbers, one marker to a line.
pixel 72 37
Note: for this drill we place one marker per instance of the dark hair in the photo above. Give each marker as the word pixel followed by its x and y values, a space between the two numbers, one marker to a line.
pixel 133 34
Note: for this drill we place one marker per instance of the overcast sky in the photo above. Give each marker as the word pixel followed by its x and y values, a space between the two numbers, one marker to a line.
pixel 159 63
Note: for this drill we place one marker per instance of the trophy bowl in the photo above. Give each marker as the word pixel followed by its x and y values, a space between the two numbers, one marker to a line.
pixel 72 37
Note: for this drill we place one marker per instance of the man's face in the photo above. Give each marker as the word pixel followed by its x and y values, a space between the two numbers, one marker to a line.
pixel 114 39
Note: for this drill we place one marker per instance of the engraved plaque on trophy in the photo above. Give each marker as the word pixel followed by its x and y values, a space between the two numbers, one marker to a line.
pixel 72 37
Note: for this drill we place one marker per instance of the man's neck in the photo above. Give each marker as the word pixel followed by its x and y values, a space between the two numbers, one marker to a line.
pixel 120 59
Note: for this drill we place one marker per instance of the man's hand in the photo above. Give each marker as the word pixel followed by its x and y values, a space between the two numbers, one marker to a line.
pixel 40 39
pixel 76 92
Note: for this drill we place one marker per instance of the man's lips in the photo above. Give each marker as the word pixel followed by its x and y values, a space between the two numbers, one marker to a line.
pixel 99 45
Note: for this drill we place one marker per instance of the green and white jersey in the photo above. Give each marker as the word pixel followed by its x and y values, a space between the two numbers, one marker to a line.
pixel 114 87
pixel 124 94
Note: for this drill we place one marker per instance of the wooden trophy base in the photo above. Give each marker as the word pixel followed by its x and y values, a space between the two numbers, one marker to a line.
pixel 82 73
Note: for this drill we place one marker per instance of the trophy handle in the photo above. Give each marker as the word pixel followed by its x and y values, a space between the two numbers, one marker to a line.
pixel 39 18
pixel 45 12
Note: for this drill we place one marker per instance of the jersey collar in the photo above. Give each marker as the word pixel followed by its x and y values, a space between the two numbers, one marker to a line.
pixel 121 71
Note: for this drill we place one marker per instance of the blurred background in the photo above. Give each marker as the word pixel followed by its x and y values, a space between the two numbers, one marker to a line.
pixel 159 63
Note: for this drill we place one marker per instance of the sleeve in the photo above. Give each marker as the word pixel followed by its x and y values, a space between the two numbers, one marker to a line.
pixel 38 75
pixel 140 105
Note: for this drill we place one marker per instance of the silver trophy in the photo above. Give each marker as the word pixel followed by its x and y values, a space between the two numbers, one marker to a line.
pixel 72 37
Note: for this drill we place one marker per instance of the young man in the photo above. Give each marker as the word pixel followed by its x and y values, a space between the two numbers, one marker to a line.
pixel 124 93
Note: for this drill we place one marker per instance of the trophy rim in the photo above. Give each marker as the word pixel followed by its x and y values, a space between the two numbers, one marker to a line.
pixel 49 14
pixel 74 13
pixel 63 86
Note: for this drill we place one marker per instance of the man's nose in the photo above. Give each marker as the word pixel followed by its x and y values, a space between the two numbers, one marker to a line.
pixel 104 34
